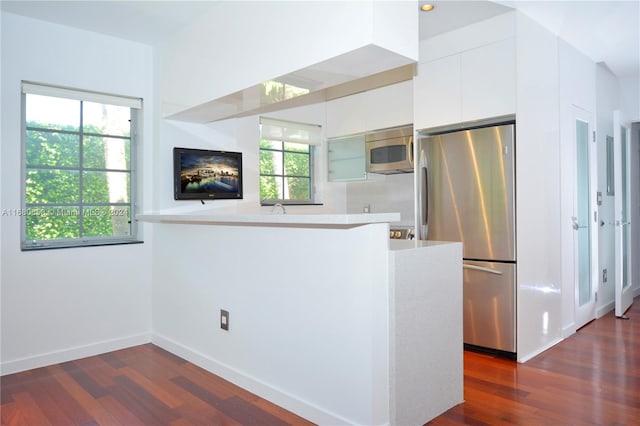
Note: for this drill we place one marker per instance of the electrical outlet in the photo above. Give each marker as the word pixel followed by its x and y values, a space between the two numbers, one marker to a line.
pixel 604 275
pixel 366 208
pixel 224 319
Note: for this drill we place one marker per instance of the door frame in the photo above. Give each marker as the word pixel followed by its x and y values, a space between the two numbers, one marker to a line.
pixel 623 295
pixel 583 314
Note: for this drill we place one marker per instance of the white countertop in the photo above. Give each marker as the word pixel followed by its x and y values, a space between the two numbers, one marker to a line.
pixel 330 220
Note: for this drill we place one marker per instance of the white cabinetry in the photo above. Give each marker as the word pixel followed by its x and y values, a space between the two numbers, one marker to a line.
pixel 346 116
pixel 437 97
pixel 488 79
pixel 474 84
pixel 387 106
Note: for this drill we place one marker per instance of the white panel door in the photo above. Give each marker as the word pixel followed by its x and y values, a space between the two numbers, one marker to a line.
pixel 621 157
pixel 584 219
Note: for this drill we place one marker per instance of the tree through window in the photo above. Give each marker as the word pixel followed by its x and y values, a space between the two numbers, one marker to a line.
pixel 286 161
pixel 78 167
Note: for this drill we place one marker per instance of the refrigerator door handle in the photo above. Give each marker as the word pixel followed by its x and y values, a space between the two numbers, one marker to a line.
pixel 425 198
pixel 481 269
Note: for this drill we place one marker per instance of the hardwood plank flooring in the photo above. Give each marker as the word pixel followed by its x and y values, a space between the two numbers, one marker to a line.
pixel 143 385
pixel 591 378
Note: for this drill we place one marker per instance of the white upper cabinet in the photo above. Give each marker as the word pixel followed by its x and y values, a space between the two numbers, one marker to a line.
pixel 474 84
pixel 390 106
pixel 467 74
pixel 387 106
pixel 488 80
pixel 437 97
pixel 346 115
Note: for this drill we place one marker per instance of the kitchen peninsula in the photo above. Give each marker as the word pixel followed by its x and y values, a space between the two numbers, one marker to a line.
pixel 328 318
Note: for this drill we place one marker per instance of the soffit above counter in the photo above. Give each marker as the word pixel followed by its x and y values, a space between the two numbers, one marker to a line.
pixel 363 69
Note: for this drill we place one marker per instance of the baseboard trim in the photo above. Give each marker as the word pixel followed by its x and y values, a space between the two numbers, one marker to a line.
pixel 279 397
pixel 527 357
pixel 568 330
pixel 605 309
pixel 50 358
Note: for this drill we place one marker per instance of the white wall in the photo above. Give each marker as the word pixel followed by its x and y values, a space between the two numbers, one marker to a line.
pixel 308 313
pixel 555 82
pixel 239 134
pixel 577 99
pixel 1 174
pixel 630 97
pixel 617 94
pixel 635 207
pixel 383 194
pixel 608 100
pixel 284 287
pixel 62 304
pixel 630 104
pixel 537 188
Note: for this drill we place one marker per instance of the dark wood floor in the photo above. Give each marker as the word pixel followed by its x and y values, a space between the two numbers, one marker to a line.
pixel 591 378
pixel 143 385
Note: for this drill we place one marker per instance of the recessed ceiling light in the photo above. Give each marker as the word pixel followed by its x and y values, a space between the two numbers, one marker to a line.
pixel 427 7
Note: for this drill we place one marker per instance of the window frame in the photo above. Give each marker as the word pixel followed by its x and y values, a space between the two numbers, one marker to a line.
pixel 283 141
pixel 283 151
pixel 135 107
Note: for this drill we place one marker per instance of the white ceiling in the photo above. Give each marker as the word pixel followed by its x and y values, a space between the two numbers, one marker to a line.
pixel 605 30
pixel 143 21
pixel 452 14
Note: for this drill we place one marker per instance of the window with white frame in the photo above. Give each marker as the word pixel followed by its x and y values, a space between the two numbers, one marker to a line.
pixel 78 185
pixel 286 161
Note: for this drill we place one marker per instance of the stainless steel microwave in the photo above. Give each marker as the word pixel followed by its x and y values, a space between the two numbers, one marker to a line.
pixel 390 151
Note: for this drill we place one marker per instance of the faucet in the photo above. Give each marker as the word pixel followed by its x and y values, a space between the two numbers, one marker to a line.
pixel 278 205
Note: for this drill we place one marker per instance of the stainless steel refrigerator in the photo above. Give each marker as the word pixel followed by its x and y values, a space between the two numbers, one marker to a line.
pixel 465 189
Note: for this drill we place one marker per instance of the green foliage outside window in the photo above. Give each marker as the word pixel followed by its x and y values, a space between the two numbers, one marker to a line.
pixel 285 171
pixel 56 176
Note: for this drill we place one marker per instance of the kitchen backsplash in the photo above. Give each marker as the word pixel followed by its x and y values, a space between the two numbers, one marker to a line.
pixel 383 194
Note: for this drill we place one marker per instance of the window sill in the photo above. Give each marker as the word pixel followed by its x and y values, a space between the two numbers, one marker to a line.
pixel 36 247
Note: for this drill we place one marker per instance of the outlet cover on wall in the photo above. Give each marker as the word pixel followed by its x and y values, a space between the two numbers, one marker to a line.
pixel 224 319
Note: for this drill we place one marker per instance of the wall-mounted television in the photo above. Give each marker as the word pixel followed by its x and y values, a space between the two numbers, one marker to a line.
pixel 203 174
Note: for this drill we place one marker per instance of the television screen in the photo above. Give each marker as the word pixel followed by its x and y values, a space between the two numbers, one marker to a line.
pixel 202 174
